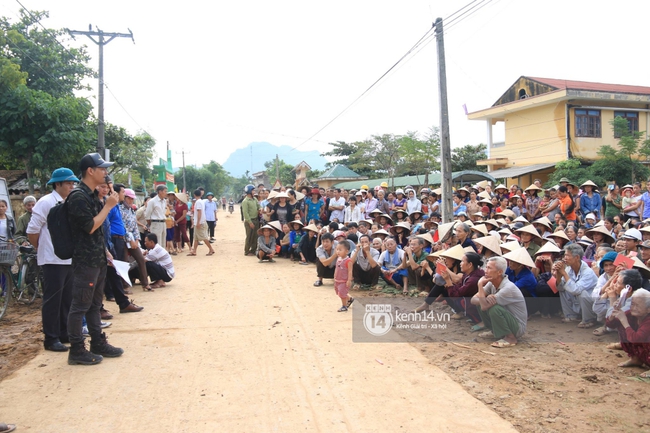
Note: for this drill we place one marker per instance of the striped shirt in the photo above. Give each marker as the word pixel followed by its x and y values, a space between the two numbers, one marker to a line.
pixel 159 255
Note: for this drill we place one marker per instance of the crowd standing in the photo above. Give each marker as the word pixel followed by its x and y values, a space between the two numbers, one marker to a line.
pixel 580 253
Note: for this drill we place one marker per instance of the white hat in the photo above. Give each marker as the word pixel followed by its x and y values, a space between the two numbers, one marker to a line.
pixel 590 215
pixel 632 234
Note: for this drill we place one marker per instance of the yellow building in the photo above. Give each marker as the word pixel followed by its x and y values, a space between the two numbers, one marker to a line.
pixel 549 120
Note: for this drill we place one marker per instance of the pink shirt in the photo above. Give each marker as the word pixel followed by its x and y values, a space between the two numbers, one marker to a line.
pixel 341 272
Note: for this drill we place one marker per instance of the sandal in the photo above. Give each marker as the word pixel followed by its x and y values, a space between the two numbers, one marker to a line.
pixel 356 287
pixel 191 254
pixel 477 328
pixel 212 252
pixel 6 428
pixel 457 316
pixel 501 344
pixel 302 262
pixel 350 301
pixel 486 334
pixel 599 332
pixel 569 320
pixel 586 325
pixel 645 375
pixel 342 309
pixel 318 283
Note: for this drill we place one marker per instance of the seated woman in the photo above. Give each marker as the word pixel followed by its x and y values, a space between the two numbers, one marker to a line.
pixel 266 244
pixel 444 268
pixel 415 218
pixel 400 216
pixel 385 221
pixel 519 272
pixel 633 329
pixel 295 236
pixel 401 233
pixel 284 241
pixel 307 246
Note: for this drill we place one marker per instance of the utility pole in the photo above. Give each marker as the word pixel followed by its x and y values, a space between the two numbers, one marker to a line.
pixel 183 153
pixel 445 147
pixel 277 168
pixel 103 38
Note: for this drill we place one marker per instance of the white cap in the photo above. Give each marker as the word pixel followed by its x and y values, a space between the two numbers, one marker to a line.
pixel 633 234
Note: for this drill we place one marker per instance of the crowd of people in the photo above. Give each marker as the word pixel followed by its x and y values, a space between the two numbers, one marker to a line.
pixel 565 251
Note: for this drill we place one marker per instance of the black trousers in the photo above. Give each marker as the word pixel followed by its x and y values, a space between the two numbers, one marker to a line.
pixel 211 225
pixel 87 294
pixel 371 276
pixel 116 284
pixel 119 246
pixel 324 271
pixel 155 271
pixel 57 297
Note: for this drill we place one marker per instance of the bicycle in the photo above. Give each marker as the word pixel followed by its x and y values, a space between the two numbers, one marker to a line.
pixel 25 284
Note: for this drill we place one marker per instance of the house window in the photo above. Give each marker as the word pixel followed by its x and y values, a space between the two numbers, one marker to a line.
pixel 587 123
pixel 632 118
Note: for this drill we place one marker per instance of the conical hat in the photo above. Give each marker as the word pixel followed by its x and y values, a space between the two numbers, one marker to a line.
pixel 511 246
pixel 560 234
pixel 486 201
pixel 375 211
pixel 480 228
pixel 641 267
pixel 485 195
pixel 529 229
pixel 276 225
pixel 589 183
pixel 599 223
pixel 456 252
pixel 272 195
pixel 549 247
pixel 434 256
pixel 380 232
pixel 312 227
pixel 469 223
pixel 427 237
pixel 260 232
pixel 505 231
pixel 507 212
pixel 444 230
pixel 182 197
pixel 585 241
pixel 501 222
pixel 437 191
pixel 491 243
pixel 296 222
pixel 299 195
pixel 544 221
pixel 282 195
pixel 533 187
pixel 520 256
pixel 500 186
pixel 644 229
pixel 491 221
pixel 406 226
pixel 601 229
pixel 521 219
pixel 483 184
pixel 385 215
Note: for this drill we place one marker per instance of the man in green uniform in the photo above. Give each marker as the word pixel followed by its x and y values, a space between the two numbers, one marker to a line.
pixel 251 213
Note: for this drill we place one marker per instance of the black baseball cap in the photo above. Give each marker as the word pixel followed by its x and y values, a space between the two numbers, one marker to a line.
pixel 93 160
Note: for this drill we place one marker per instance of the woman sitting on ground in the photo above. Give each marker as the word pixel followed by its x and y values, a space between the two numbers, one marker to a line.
pixel 307 246
pixel 284 242
pixel 266 244
pixel 444 278
pixel 634 330
pixel 295 236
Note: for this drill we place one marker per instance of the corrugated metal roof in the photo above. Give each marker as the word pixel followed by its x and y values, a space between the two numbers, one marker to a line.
pixel 339 172
pixel 513 172
pixel 466 176
pixel 598 87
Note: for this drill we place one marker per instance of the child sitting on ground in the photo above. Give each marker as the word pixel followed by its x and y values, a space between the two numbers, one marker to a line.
pixel 343 275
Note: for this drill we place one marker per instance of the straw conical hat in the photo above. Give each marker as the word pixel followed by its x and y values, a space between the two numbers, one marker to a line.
pixel 644 229
pixel 585 241
pixel 641 267
pixel 380 232
pixel 500 186
pixel 182 197
pixel 507 212
pixel 299 195
pixel 529 229
pixel 544 221
pixel 559 234
pixel 295 222
pixel 600 223
pixel 511 246
pixel 491 243
pixel 434 255
pixel 483 184
pixel 456 252
pixel 549 247
pixel 272 195
pixel 480 228
pixel 520 256
pixel 437 191
pixel 505 231
pixel 607 235
pixel 521 219
pixel 589 183
pixel 533 187
pixel 406 226
pixel 260 232
pixel 485 195
pixel 501 222
pixel 491 221
pixel 486 201
pixel 276 225
pixel 427 237
pixel 445 229
pixel 312 227
pixel 375 211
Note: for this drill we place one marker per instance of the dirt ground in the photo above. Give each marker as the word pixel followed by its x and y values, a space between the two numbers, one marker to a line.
pixel 233 345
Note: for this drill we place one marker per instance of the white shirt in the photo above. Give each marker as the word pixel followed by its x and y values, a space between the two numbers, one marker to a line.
pixel 199 205
pixel 159 255
pixel 3 228
pixel 338 214
pixel 156 208
pixel 38 226
pixel 353 214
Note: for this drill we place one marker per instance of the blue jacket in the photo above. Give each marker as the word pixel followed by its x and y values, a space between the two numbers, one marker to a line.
pixel 524 280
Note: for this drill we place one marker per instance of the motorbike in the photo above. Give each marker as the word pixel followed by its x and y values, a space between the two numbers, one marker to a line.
pixel 231 207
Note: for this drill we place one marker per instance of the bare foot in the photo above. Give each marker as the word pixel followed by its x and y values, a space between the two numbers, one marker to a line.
pixel 632 362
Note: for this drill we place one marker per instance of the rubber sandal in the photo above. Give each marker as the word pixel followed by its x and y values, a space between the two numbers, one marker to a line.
pixel 586 325
pixel 318 283
pixel 485 334
pixel 191 254
pixel 350 301
pixel 501 344
pixel 147 289
pixel 6 428
pixel 342 309
pixel 645 375
pixel 477 328
pixel 356 287
pixel 599 332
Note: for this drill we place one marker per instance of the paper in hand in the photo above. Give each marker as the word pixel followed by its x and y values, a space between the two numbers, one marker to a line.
pixel 122 269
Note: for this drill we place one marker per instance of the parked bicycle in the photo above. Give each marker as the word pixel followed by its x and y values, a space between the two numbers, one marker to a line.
pixel 21 279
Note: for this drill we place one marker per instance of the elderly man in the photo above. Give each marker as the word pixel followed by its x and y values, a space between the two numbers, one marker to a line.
pixel 502 305
pixel 155 213
pixel 57 273
pixel 575 281
pixel 366 269
pixel 23 221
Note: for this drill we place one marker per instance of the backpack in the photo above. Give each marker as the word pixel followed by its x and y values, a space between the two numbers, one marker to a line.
pixel 60 230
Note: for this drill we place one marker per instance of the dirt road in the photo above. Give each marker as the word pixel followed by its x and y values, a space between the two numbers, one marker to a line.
pixel 235 346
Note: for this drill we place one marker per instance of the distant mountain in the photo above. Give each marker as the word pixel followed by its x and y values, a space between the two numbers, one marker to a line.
pixel 253 157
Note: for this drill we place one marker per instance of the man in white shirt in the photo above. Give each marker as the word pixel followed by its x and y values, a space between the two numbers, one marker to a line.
pixel 155 213
pixel 211 208
pixel 160 267
pixel 337 206
pixel 57 273
pixel 200 225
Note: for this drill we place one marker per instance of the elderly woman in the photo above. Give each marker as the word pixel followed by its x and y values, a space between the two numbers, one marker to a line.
pixel 266 244
pixel 633 329
pixel 606 280
pixel 464 236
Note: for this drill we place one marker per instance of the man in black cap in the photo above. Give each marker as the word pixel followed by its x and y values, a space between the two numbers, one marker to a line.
pixel 86 214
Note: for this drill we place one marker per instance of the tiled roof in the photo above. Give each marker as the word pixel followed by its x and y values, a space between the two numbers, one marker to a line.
pixel 339 172
pixel 12 176
pixel 597 87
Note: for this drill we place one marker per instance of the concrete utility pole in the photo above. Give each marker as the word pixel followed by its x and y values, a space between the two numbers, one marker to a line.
pixel 183 153
pixel 445 147
pixel 103 38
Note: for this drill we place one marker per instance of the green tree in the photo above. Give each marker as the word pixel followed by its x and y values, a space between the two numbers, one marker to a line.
pixel 384 154
pixel 464 158
pixel 287 176
pixel 620 161
pixel 420 156
pixel 351 155
pixel 575 171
